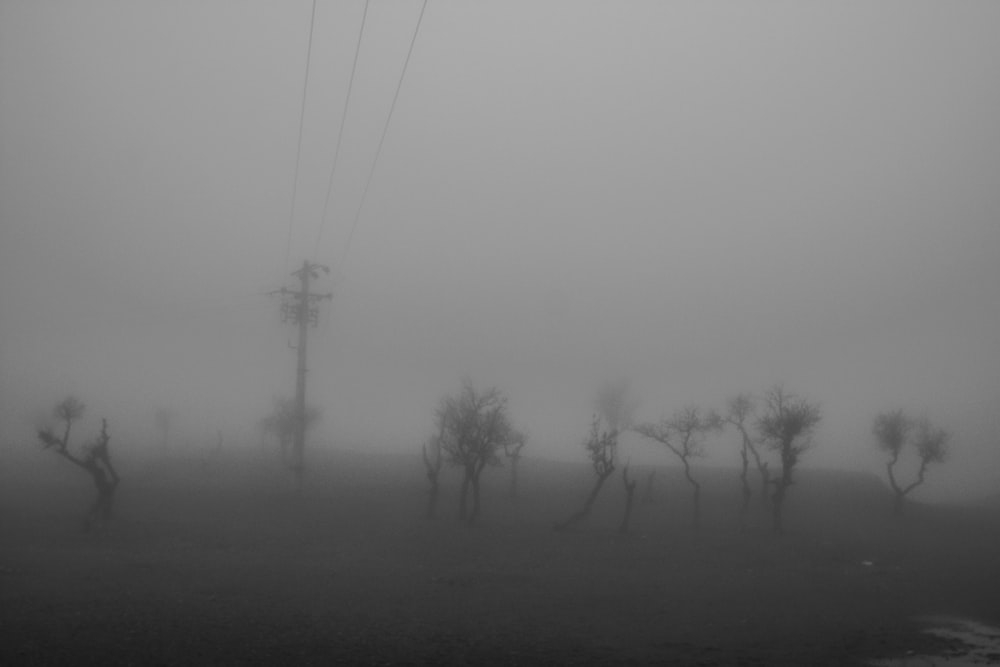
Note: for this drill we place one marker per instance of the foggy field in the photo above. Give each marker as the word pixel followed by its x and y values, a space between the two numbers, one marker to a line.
pixel 229 566
pixel 293 268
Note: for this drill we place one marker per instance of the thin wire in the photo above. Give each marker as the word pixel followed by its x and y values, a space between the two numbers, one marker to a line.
pixel 385 130
pixel 340 133
pixel 298 150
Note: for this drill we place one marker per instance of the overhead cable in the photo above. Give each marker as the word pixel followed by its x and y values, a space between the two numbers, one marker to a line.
pixel 385 129
pixel 340 132
pixel 298 150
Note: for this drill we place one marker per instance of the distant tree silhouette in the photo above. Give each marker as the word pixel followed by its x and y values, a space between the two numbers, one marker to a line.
pixel 684 435
pixel 95 460
pixel 613 410
pixel 512 451
pixel 740 410
pixel 892 433
pixel 615 404
pixel 602 448
pixel 474 428
pixel 785 426
pixel 280 424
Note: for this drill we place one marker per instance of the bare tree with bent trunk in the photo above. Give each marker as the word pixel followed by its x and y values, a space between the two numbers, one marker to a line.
pixel 512 452
pixel 684 435
pixel 602 448
pixel 613 410
pixel 740 411
pixel 786 426
pixel 474 427
pixel 892 431
pixel 96 458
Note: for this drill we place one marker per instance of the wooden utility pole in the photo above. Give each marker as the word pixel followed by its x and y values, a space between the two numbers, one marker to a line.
pixel 302 308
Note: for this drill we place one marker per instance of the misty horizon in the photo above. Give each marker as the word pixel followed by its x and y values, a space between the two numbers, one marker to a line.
pixel 703 199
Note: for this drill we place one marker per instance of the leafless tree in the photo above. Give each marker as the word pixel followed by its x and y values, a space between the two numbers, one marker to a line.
pixel 280 424
pixel 433 459
pixel 892 431
pixel 512 451
pixel 684 434
pixel 740 411
pixel 95 460
pixel 629 497
pixel 474 427
pixel 615 405
pixel 785 426
pixel 602 448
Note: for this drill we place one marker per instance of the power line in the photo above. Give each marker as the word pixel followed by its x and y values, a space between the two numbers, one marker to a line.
pixel 340 132
pixel 385 130
pixel 298 150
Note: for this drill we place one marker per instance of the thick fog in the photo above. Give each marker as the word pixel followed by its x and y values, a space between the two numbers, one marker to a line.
pixel 704 198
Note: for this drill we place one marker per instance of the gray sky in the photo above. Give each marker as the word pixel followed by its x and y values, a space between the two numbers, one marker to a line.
pixel 704 197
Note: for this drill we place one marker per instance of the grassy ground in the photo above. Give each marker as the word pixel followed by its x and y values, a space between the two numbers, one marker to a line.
pixel 229 567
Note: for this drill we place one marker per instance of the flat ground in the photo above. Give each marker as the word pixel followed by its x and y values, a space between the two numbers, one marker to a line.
pixel 228 566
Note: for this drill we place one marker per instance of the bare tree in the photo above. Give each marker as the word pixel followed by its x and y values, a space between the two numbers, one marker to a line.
pixel 786 426
pixel 629 497
pixel 512 451
pixel 740 411
pixel 602 448
pixel 615 405
pixel 684 434
pixel 281 425
pixel 96 458
pixel 474 427
pixel 892 431
pixel 433 459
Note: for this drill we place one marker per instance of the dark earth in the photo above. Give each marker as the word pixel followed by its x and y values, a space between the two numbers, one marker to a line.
pixel 221 563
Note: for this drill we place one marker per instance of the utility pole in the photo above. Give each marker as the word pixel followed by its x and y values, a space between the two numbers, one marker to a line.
pixel 302 308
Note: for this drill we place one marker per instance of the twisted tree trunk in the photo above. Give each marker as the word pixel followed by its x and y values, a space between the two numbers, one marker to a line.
pixel 629 496
pixel 585 512
pixel 696 493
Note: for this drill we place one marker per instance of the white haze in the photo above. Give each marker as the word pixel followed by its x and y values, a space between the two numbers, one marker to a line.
pixel 705 198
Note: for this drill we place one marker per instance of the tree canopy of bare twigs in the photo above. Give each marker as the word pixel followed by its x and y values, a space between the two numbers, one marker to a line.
pixel 280 424
pixel 474 426
pixel 740 413
pixel 786 426
pixel 892 431
pixel 684 434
